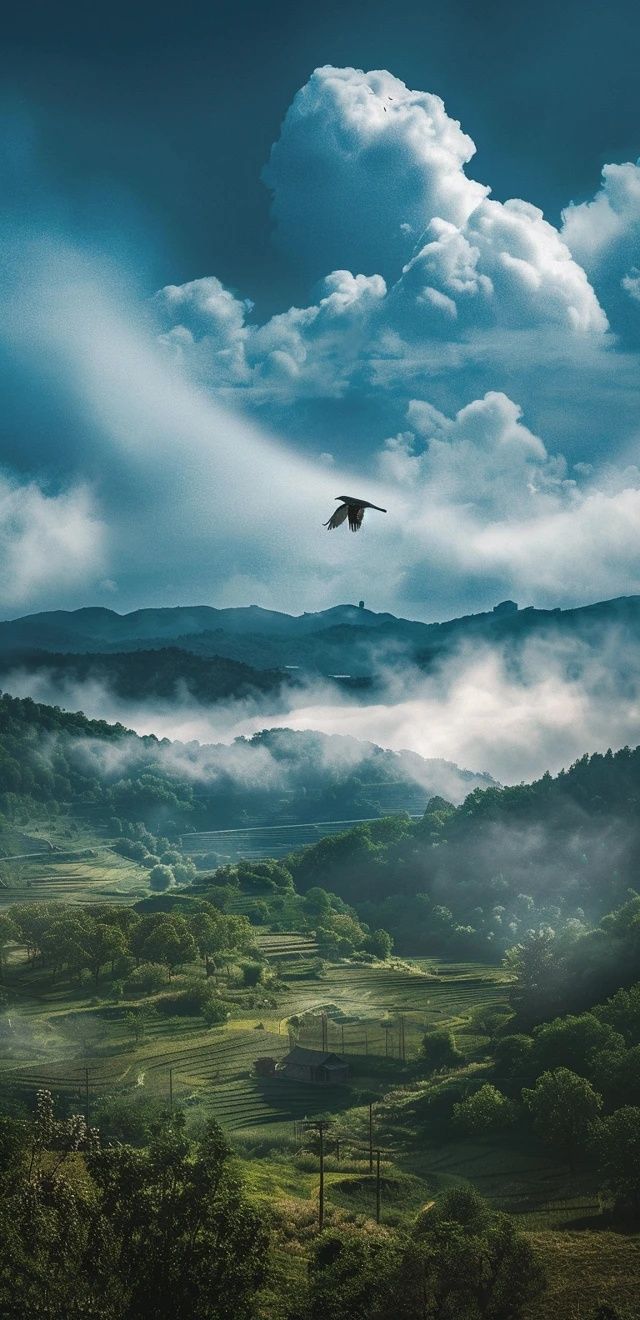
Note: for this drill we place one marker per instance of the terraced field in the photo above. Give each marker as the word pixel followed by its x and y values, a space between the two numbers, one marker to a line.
pixel 260 841
pixel 377 1011
pixel 74 876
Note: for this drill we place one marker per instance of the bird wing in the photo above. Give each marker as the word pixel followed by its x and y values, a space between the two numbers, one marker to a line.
pixel 356 514
pixel 337 517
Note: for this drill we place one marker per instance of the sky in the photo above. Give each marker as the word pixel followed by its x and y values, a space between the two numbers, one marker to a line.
pixel 257 255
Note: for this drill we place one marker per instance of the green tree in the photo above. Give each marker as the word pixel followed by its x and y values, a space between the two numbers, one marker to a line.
pixel 564 1108
pixel 352 1274
pixel 484 1111
pixel 573 1042
pixel 534 964
pixel 191 1244
pixel 439 1050
pixel 8 933
pixel 101 943
pixel 468 1261
pixel 617 1144
pixel 379 943
pixel 161 878
pixel 170 942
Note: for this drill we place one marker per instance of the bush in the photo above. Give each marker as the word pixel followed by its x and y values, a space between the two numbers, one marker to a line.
pixel 439 1050
pixel 160 878
pixel 132 1119
pixel 215 1013
pixel 252 973
pixel 484 1111
pixel 617 1143
pixel 147 978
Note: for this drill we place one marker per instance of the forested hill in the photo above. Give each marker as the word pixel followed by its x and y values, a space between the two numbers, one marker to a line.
pixel 61 761
pixel 343 639
pixel 558 853
pixel 149 675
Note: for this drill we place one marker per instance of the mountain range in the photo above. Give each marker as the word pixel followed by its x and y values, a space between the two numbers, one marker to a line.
pixel 347 641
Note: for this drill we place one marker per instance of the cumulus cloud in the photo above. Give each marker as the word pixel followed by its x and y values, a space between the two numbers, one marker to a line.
pixel 507 266
pixel 49 543
pixel 604 236
pixel 431 283
pixel 361 165
pixel 483 496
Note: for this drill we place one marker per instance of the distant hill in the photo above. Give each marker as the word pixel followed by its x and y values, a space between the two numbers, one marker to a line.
pixel 155 675
pixel 90 767
pixel 342 640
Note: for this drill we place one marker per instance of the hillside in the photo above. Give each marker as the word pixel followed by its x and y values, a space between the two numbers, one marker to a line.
pixel 64 760
pixel 344 640
pixel 162 674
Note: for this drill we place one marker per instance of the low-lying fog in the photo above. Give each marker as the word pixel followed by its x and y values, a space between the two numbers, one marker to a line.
pixel 513 716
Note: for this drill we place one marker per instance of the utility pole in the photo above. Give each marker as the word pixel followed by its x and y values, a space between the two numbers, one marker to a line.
pixel 370 1137
pixel 324 1033
pixel 377 1187
pixel 321 1197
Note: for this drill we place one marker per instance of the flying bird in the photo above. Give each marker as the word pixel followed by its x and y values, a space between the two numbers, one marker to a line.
pixel 353 509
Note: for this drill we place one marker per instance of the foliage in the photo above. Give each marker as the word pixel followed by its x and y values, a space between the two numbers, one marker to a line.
pixel 564 1108
pixel 124 1232
pixel 460 1262
pixel 617 1142
pixel 485 1110
pixel 439 1050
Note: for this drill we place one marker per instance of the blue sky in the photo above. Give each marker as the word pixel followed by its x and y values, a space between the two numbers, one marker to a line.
pixel 236 286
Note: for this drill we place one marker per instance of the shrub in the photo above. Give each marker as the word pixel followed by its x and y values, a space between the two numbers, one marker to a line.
pixel 147 978
pixel 252 973
pixel 160 878
pixel 439 1050
pixel 484 1111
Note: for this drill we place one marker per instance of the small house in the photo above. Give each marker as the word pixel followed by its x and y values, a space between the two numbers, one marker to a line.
pixel 302 1065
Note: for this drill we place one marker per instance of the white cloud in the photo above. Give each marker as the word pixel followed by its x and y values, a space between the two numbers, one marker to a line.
pixel 361 166
pixel 485 499
pixel 49 544
pixel 507 266
pixel 604 236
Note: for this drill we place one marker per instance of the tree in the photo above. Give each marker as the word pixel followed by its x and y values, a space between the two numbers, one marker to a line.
pixel 170 941
pixel 352 1274
pixel 617 1143
pixel 158 1232
pixel 8 933
pixel 160 878
pixel 533 962
pixel 484 1111
pixel 100 943
pixel 439 1050
pixel 379 943
pixel 56 1250
pixel 192 1244
pixel 469 1261
pixel 622 1012
pixel 572 1042
pixel 564 1108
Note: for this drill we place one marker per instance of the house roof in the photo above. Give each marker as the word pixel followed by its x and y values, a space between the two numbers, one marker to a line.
pixel 313 1058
